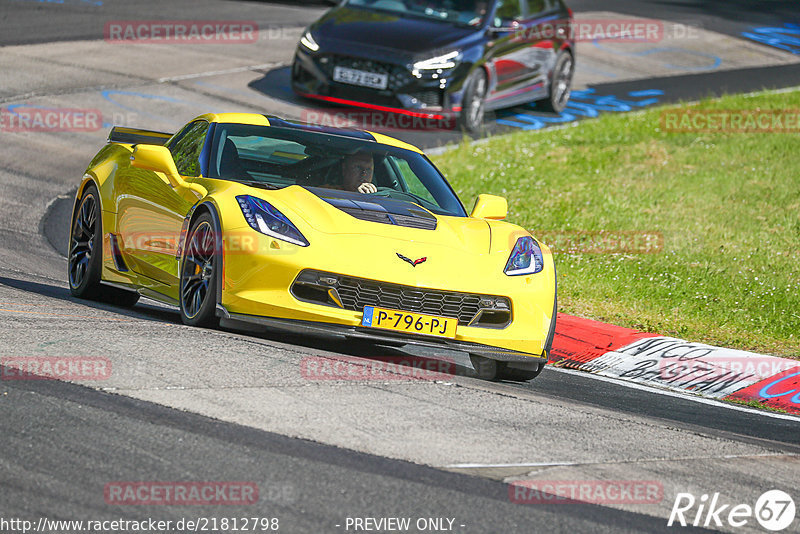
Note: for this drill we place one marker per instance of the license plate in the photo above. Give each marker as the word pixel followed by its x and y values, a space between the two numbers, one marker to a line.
pixel 412 323
pixel 360 77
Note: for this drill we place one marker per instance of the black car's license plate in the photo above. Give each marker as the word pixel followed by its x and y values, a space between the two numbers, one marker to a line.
pixel 360 77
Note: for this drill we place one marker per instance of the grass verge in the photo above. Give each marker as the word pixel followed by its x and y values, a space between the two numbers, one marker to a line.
pixel 726 204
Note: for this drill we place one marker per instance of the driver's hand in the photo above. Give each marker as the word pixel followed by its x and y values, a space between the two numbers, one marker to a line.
pixel 367 187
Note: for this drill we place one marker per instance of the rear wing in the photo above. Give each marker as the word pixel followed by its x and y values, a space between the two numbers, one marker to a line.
pixel 133 136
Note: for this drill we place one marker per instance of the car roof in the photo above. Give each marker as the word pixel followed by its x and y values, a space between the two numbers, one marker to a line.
pixel 271 120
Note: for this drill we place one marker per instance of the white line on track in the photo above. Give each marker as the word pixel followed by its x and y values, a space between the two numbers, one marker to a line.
pixel 637 460
pixel 217 72
pixel 680 395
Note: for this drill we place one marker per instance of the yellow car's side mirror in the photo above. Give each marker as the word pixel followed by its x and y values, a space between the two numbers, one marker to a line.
pixel 156 158
pixel 490 207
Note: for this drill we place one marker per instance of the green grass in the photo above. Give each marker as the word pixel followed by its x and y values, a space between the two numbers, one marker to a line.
pixel 757 405
pixel 727 205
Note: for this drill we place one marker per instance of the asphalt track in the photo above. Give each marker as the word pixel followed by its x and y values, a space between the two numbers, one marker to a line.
pixel 186 404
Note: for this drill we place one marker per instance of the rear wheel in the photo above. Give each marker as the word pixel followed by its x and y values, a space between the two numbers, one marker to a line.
pixel 198 282
pixel 85 262
pixel 560 84
pixel 472 111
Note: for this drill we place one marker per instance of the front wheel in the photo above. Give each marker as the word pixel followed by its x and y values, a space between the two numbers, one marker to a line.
pixel 485 368
pixel 521 375
pixel 560 84
pixel 472 110
pixel 198 282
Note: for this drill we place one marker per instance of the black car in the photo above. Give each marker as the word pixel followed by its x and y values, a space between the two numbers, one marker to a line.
pixel 439 59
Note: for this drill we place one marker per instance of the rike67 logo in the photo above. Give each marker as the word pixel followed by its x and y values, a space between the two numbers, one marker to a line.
pixel 774 510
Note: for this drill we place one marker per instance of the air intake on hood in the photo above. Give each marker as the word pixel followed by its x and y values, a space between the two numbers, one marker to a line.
pixel 377 209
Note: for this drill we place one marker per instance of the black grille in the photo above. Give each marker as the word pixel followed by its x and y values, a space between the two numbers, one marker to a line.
pixel 422 222
pixel 398 75
pixel 357 293
pixel 353 294
pixel 429 98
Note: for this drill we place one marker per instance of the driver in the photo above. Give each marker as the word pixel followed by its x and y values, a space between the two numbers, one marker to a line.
pixel 357 172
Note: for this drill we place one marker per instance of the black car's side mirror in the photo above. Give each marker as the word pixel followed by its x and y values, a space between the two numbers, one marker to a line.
pixel 503 27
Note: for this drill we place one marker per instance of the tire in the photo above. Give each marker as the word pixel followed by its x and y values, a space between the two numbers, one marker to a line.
pixel 119 297
pixel 85 259
pixel 520 375
pixel 485 368
pixel 199 274
pixel 472 112
pixel 560 84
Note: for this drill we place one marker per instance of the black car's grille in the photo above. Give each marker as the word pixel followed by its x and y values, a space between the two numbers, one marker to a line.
pixel 398 75
pixel 423 223
pixel 429 98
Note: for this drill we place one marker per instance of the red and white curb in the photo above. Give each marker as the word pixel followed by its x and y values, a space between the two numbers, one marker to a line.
pixel 675 364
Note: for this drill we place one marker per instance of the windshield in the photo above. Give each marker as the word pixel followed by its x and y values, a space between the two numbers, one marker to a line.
pixel 468 12
pixel 274 157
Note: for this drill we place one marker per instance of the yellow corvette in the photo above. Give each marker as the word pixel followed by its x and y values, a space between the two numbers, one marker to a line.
pixel 250 219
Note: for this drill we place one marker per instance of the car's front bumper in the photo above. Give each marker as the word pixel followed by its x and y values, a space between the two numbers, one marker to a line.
pixel 431 98
pixel 258 284
pixel 378 336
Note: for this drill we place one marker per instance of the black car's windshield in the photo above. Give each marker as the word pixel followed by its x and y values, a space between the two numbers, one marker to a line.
pixel 320 159
pixel 468 12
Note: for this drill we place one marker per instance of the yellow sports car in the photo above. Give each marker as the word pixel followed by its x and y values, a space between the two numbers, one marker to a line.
pixel 250 219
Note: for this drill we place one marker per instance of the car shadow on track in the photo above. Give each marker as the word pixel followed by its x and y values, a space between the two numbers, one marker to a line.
pixel 388 363
pixel 140 311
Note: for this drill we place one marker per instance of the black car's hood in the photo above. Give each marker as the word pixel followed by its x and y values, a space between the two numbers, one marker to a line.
pixel 370 28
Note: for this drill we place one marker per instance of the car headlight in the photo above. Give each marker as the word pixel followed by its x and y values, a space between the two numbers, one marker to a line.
pixel 265 218
pixel 447 61
pixel 307 40
pixel 526 258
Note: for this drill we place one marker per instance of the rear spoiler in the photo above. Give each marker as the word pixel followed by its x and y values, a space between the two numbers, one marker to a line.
pixel 133 136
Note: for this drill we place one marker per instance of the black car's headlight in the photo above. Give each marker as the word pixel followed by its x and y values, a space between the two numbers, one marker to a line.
pixel 265 218
pixel 436 65
pixel 308 42
pixel 526 258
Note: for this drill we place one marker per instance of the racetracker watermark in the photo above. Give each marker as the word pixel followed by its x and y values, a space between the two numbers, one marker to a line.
pixel 181 31
pixel 54 368
pixel 387 368
pixel 609 30
pixel 233 242
pixel 37 119
pixel 378 120
pixel 702 364
pixel 586 491
pixel 731 121
pixel 601 241
pixel 615 30
pixel 181 493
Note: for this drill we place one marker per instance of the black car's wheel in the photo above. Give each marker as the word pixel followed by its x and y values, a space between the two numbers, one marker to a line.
pixel 561 83
pixel 472 111
pixel 198 283
pixel 85 260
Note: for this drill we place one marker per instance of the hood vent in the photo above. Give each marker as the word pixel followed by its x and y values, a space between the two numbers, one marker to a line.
pixel 377 209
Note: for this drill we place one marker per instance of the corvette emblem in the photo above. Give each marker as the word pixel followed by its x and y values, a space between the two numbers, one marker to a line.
pixel 413 263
